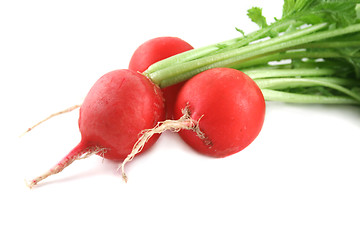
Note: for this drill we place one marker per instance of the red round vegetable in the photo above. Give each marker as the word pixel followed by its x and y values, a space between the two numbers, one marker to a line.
pixel 157 49
pixel 117 108
pixel 220 112
pixel 229 108
pixel 151 51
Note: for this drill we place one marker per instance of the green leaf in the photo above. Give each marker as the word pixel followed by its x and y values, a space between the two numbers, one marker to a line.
pixel 341 12
pixel 292 6
pixel 240 31
pixel 255 14
pixel 288 7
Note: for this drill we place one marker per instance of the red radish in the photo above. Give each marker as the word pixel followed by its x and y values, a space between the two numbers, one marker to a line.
pixel 157 49
pixel 117 108
pixel 146 54
pixel 231 108
pixel 221 111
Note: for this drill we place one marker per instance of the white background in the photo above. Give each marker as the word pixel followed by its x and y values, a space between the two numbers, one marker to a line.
pixel 298 180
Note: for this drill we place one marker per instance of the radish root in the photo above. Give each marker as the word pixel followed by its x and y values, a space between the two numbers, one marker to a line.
pixel 66 162
pixel 51 116
pixel 184 123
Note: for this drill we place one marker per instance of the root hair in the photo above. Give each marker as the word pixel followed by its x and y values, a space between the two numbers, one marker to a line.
pixel 183 123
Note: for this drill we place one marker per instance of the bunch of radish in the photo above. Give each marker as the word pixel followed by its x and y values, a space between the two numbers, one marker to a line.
pixel 219 111
pixel 214 96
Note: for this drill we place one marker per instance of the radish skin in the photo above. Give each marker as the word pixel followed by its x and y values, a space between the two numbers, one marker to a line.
pixel 117 108
pixel 231 107
pixel 157 49
pixel 144 56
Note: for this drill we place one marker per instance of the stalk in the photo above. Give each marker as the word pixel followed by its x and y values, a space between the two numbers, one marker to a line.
pixel 284 83
pixel 299 72
pixel 177 72
pixel 281 83
pixel 173 73
pixel 292 55
pixel 332 44
pixel 275 95
pixel 220 47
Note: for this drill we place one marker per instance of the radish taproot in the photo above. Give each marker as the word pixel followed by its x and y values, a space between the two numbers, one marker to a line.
pixel 157 49
pixel 220 112
pixel 117 108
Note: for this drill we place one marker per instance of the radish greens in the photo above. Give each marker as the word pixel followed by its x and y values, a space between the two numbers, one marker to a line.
pixel 310 55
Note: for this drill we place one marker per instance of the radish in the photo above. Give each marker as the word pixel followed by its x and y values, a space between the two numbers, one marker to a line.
pixel 229 107
pixel 221 111
pixel 223 108
pixel 154 50
pixel 117 108
pixel 145 55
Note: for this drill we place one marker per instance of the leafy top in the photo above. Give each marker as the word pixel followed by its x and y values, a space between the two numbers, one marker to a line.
pixel 255 14
pixel 340 13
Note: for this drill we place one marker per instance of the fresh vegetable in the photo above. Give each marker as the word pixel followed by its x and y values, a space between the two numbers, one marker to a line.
pixel 229 107
pixel 154 50
pixel 117 108
pixel 146 54
pixel 220 111
pixel 313 36
pixel 316 50
pixel 310 55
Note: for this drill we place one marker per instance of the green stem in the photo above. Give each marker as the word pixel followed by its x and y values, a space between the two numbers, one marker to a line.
pixel 300 72
pixel 220 47
pixel 284 83
pixel 281 83
pixel 331 44
pixel 175 73
pixel 191 55
pixel 274 95
pixel 292 42
pixel 290 55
